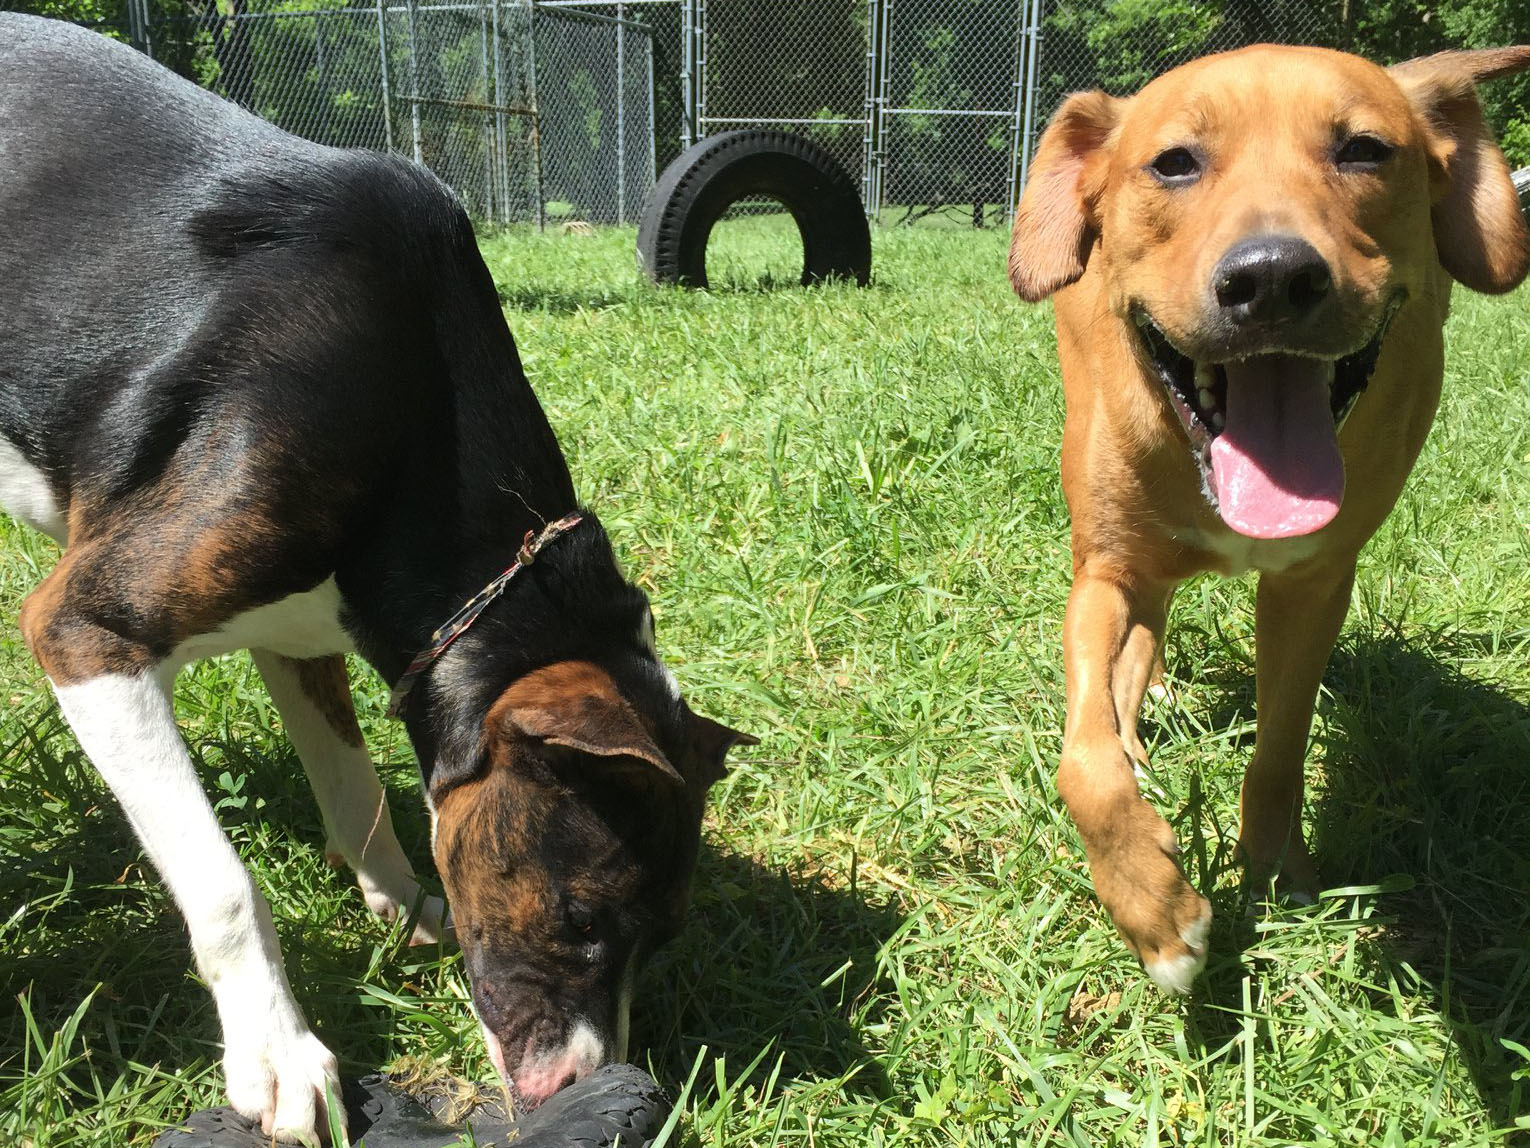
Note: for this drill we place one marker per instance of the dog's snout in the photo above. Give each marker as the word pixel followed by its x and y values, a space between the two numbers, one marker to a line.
pixel 1271 278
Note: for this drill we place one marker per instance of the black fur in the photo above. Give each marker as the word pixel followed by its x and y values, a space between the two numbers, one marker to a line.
pixel 308 340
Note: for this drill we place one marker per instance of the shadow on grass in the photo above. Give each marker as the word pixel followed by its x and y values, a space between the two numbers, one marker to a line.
pixel 1427 776
pixel 774 967
pixel 556 301
pixel 769 962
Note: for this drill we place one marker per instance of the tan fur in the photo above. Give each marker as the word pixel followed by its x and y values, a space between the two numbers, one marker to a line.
pixel 1095 227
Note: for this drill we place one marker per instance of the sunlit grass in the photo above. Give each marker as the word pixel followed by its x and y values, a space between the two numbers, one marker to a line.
pixel 845 505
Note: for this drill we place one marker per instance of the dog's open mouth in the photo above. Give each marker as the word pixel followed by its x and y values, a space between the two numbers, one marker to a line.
pixel 1264 428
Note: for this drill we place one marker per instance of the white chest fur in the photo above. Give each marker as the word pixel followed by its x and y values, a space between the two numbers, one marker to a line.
pixel 1239 555
pixel 305 625
pixel 25 494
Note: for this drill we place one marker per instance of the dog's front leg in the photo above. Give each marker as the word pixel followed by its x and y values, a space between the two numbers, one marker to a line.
pixel 116 698
pixel 314 699
pixel 1112 634
pixel 1297 620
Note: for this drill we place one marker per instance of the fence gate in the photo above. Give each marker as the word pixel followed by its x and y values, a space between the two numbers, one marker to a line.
pixel 923 101
pixel 800 65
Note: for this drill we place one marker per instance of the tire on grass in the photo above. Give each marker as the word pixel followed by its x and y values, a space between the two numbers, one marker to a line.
pixel 709 177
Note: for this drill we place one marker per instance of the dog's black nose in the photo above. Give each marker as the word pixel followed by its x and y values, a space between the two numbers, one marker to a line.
pixel 1270 278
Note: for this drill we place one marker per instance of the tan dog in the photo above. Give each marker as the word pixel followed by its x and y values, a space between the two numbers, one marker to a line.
pixel 1252 260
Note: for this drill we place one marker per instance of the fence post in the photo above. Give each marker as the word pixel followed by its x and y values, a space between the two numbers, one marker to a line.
pixel 1017 121
pixel 536 113
pixel 414 86
pixel 1030 101
pixel 387 93
pixel 875 148
pixel 621 113
pixel 688 76
pixel 701 67
pixel 135 27
pixel 318 59
pixel 490 96
pixel 138 25
pixel 653 129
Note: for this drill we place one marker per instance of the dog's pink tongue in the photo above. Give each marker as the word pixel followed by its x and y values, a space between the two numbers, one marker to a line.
pixel 1276 468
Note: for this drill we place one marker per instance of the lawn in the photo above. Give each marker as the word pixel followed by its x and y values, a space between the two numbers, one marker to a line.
pixel 845 505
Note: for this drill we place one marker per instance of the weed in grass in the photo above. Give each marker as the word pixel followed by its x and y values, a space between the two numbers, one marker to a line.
pixel 845 504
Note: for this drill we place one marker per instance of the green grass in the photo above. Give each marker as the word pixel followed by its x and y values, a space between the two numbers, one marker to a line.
pixel 846 507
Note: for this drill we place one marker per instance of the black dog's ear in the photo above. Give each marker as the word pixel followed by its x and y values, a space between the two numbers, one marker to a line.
pixel 1479 230
pixel 710 743
pixel 576 705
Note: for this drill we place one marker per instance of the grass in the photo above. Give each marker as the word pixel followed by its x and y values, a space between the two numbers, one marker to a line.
pixel 845 504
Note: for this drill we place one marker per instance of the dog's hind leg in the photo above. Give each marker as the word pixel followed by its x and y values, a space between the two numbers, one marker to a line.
pixel 115 695
pixel 314 699
pixel 1111 636
pixel 1297 619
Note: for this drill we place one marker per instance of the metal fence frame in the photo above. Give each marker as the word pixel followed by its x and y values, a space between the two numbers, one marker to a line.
pixel 520 104
pixel 991 132
pixel 450 83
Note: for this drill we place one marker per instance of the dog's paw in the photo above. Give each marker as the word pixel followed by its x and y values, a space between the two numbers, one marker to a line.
pixel 396 900
pixel 279 1079
pixel 387 883
pixel 1174 967
pixel 1284 858
pixel 1163 920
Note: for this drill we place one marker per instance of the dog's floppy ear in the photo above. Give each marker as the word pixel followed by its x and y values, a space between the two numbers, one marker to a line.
pixel 576 705
pixel 1055 225
pixel 1479 230
pixel 710 743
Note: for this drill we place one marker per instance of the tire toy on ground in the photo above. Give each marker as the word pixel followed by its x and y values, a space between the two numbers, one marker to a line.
pixel 617 1104
pixel 709 177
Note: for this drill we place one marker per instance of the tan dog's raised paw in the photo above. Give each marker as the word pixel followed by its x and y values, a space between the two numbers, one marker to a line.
pixel 1162 919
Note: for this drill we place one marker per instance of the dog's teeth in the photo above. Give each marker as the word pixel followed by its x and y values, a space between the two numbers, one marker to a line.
pixel 1218 420
pixel 1208 400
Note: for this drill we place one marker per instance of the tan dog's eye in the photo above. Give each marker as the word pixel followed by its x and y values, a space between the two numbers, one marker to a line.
pixel 1176 166
pixel 1362 153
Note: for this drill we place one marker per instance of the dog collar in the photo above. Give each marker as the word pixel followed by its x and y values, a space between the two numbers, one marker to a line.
pixel 455 626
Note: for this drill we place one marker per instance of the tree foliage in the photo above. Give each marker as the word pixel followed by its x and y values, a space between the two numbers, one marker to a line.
pixel 1120 44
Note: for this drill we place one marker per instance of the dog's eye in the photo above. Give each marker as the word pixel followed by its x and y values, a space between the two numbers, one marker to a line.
pixel 1362 153
pixel 1176 165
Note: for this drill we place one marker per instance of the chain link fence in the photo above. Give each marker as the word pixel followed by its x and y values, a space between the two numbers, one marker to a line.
pixel 564 109
pixel 528 111
pixel 934 105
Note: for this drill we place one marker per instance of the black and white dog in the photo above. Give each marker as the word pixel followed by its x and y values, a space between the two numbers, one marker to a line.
pixel 263 393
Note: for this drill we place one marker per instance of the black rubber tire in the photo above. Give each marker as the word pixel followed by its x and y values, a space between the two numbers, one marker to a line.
pixel 619 1103
pixel 1521 180
pixel 711 176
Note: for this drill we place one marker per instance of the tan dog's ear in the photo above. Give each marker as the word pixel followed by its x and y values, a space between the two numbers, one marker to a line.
pixel 576 705
pixel 1478 227
pixel 1055 225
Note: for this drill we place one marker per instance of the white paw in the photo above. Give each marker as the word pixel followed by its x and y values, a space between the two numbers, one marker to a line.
pixel 386 880
pixel 279 1079
pixel 396 900
pixel 1175 975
